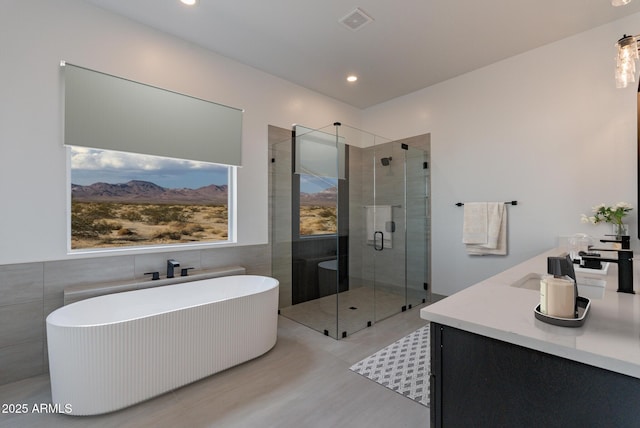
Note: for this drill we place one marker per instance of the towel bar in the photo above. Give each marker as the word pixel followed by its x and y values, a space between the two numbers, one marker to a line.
pixel 459 204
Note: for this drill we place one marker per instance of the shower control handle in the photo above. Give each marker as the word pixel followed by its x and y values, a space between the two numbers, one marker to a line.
pixel 375 246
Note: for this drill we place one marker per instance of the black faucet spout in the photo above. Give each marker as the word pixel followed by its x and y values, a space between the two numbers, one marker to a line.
pixel 625 267
pixel 171 265
pixel 624 241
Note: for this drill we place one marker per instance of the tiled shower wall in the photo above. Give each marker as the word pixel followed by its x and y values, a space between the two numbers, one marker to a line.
pixel 31 291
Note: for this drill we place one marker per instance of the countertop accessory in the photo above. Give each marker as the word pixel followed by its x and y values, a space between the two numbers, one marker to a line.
pixel 583 310
pixel 563 266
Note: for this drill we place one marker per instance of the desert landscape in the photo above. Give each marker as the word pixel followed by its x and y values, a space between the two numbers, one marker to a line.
pixel 317 220
pixel 140 213
pixel 318 212
pixel 103 224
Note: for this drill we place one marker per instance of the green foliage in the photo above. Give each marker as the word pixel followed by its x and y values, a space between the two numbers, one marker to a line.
pixel 608 214
pixel 82 227
pixel 163 214
pixel 86 224
pixel 328 214
pixel 131 215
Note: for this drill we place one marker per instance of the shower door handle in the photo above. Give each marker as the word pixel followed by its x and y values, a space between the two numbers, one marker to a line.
pixel 375 235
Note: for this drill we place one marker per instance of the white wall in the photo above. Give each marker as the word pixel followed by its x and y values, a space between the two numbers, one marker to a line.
pixel 36 34
pixel 547 128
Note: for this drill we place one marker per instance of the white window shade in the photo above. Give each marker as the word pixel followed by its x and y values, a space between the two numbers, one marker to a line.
pixel 319 153
pixel 111 113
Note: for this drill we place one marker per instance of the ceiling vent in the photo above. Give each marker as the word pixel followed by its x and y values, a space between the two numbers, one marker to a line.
pixel 356 19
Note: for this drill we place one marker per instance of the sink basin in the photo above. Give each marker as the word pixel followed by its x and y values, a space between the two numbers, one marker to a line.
pixel 592 288
pixel 530 281
pixel 601 271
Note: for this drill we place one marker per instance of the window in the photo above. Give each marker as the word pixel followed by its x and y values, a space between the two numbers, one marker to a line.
pixel 124 200
pixel 318 205
pixel 131 184
pixel 319 164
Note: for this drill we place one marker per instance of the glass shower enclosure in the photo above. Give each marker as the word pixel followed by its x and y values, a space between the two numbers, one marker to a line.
pixel 349 226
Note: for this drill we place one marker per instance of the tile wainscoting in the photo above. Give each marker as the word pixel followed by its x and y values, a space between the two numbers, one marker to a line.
pixel 29 292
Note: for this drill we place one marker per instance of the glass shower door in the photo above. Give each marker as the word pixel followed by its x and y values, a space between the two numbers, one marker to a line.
pixel 400 240
pixel 387 212
pixel 416 221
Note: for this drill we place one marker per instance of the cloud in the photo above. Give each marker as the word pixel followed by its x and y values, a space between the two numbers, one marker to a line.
pixel 91 159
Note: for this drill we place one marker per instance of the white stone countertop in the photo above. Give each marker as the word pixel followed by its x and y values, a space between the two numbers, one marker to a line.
pixel 609 337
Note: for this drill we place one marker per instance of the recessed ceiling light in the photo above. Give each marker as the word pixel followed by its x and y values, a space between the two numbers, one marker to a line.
pixel 189 2
pixel 352 78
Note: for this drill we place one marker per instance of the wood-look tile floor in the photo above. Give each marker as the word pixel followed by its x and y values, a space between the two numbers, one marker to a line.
pixel 304 381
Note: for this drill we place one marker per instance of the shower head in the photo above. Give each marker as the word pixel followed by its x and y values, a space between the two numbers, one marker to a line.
pixel 386 161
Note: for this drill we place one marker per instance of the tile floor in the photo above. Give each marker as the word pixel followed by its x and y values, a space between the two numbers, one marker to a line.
pixel 304 381
pixel 354 308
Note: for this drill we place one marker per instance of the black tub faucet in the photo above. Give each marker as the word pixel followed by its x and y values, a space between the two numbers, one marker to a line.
pixel 171 265
pixel 154 275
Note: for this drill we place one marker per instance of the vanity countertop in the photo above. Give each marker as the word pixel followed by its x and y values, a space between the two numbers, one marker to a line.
pixel 609 338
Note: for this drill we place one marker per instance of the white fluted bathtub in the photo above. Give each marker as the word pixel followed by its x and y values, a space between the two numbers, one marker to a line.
pixel 112 351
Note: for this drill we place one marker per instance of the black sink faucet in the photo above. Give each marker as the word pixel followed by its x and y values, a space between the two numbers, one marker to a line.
pixel 624 241
pixel 624 262
pixel 171 264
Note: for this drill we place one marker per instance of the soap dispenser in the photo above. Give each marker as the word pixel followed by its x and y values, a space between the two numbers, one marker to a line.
pixel 558 290
pixel 559 300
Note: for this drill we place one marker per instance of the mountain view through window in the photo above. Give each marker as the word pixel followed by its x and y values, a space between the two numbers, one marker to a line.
pixel 123 200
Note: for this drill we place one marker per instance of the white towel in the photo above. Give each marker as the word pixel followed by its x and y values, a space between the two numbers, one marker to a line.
pixel 474 226
pixel 378 217
pixel 495 241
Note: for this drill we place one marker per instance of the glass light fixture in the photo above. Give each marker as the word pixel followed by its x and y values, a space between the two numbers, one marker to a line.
pixel 619 2
pixel 626 60
pixel 352 78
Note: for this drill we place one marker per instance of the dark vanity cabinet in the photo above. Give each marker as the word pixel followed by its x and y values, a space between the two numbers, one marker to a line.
pixel 477 381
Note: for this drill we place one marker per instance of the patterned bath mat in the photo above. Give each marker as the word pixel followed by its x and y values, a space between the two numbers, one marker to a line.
pixel 402 366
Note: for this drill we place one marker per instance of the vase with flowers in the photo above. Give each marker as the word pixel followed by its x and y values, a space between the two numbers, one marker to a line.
pixel 610 214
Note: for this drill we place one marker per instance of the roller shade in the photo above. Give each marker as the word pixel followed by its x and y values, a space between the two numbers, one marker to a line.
pixel 319 153
pixel 111 113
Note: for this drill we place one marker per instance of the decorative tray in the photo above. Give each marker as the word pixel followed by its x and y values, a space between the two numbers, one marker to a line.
pixel 583 310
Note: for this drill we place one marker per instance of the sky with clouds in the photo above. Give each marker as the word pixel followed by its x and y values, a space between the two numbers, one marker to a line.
pixel 90 166
pixel 314 184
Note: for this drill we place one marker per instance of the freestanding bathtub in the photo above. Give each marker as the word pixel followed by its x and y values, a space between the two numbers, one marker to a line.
pixel 109 352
